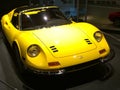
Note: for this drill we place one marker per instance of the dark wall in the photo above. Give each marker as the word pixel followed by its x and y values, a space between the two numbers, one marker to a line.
pixel 7 5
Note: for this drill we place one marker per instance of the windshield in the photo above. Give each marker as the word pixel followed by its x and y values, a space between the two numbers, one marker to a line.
pixel 47 17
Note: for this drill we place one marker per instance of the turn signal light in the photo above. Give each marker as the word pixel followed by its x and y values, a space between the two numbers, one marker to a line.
pixel 54 63
pixel 102 51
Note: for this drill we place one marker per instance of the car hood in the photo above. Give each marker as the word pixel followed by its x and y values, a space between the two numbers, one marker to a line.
pixel 66 40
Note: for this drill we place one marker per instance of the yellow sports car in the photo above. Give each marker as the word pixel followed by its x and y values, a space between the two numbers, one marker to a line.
pixel 46 42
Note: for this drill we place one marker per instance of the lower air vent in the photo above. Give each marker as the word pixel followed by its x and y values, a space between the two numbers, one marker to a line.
pixel 88 41
pixel 53 48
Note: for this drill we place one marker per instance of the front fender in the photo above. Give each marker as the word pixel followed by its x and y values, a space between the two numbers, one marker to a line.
pixel 23 41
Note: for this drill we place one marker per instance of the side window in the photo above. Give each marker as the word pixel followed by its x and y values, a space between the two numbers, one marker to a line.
pixel 15 20
pixel 26 21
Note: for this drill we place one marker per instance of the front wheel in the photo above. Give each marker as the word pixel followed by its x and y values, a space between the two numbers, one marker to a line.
pixel 18 62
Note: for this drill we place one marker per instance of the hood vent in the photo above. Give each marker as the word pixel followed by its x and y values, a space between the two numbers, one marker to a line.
pixel 53 48
pixel 88 41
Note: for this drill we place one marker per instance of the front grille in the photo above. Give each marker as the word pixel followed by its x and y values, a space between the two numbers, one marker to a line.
pixel 65 70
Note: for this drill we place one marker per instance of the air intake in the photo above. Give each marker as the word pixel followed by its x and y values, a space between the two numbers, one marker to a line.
pixel 88 41
pixel 53 48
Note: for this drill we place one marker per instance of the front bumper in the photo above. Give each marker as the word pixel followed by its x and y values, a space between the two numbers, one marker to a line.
pixel 66 69
pixel 75 67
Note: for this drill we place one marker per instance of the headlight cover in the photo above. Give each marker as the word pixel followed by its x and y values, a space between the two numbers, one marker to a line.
pixel 33 50
pixel 98 36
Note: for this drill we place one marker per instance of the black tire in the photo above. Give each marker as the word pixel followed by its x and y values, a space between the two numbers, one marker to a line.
pixel 19 64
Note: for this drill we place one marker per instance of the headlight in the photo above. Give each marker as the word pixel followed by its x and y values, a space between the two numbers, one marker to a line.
pixel 33 50
pixel 98 36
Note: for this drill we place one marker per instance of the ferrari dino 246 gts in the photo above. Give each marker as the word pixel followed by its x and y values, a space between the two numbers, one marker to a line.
pixel 46 42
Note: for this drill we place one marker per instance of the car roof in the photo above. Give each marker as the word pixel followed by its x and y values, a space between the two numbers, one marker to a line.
pixel 24 8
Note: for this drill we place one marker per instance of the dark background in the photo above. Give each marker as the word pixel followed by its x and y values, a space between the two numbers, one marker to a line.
pixel 7 5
